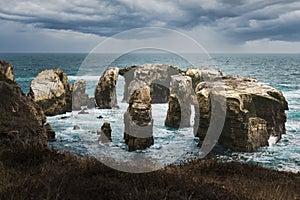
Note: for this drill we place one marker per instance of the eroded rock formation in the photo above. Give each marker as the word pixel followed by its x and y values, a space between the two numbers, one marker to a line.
pixel 157 76
pixel 254 112
pixel 201 74
pixel 51 91
pixel 21 120
pixel 7 70
pixel 138 119
pixel 79 97
pixel 105 92
pixel 179 110
pixel 105 133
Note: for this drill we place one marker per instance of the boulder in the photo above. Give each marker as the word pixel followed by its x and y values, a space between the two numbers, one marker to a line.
pixel 79 97
pixel 105 92
pixel 201 74
pixel 138 120
pixel 179 110
pixel 7 70
pixel 76 127
pixel 21 120
pixel 254 112
pixel 51 91
pixel 105 133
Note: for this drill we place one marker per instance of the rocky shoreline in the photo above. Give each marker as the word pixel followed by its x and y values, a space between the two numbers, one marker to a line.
pixel 29 170
pixel 244 111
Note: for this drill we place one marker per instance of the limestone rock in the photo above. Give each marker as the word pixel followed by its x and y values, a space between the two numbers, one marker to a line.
pixel 128 74
pixel 21 120
pixel 105 133
pixel 158 76
pixel 105 92
pixel 201 74
pixel 79 97
pixel 51 91
pixel 138 120
pixel 7 70
pixel 254 112
pixel 91 103
pixel 179 110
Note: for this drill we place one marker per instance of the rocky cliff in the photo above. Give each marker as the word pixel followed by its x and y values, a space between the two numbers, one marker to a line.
pixel 7 70
pixel 254 112
pixel 51 91
pixel 21 120
pixel 105 92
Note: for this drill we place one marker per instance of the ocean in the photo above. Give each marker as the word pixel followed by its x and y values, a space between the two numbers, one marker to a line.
pixel 281 71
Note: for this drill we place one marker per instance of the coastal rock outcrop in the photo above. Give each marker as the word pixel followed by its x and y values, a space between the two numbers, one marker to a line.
pixel 21 120
pixel 138 120
pixel 157 76
pixel 7 70
pixel 105 133
pixel 105 92
pixel 179 110
pixel 201 74
pixel 254 112
pixel 51 91
pixel 79 97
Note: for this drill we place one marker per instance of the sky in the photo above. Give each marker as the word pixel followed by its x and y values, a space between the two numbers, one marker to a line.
pixel 220 26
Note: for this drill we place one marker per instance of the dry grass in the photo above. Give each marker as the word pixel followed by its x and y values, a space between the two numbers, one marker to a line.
pixel 33 174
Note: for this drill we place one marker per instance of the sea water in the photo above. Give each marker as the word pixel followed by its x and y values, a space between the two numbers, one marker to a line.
pixel 281 71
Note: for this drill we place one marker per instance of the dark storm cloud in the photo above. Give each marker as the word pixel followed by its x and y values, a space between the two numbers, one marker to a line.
pixel 240 19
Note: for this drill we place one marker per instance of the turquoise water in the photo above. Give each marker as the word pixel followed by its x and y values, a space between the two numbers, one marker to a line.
pixel 281 71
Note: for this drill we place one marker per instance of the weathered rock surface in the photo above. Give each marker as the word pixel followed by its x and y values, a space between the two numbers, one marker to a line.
pixel 7 70
pixel 50 132
pixel 157 76
pixel 105 133
pixel 91 102
pixel 138 120
pixel 105 92
pixel 51 91
pixel 254 112
pixel 128 74
pixel 21 120
pixel 79 97
pixel 201 74
pixel 179 110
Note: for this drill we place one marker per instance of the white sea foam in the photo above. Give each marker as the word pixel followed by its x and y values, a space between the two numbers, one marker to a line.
pixel 272 140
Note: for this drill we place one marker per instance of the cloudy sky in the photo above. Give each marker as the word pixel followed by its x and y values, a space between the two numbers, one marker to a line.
pixel 219 25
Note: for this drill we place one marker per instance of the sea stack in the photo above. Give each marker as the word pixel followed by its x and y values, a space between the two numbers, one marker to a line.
pixel 254 112
pixel 105 133
pixel 79 97
pixel 179 110
pixel 51 91
pixel 138 120
pixel 105 92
